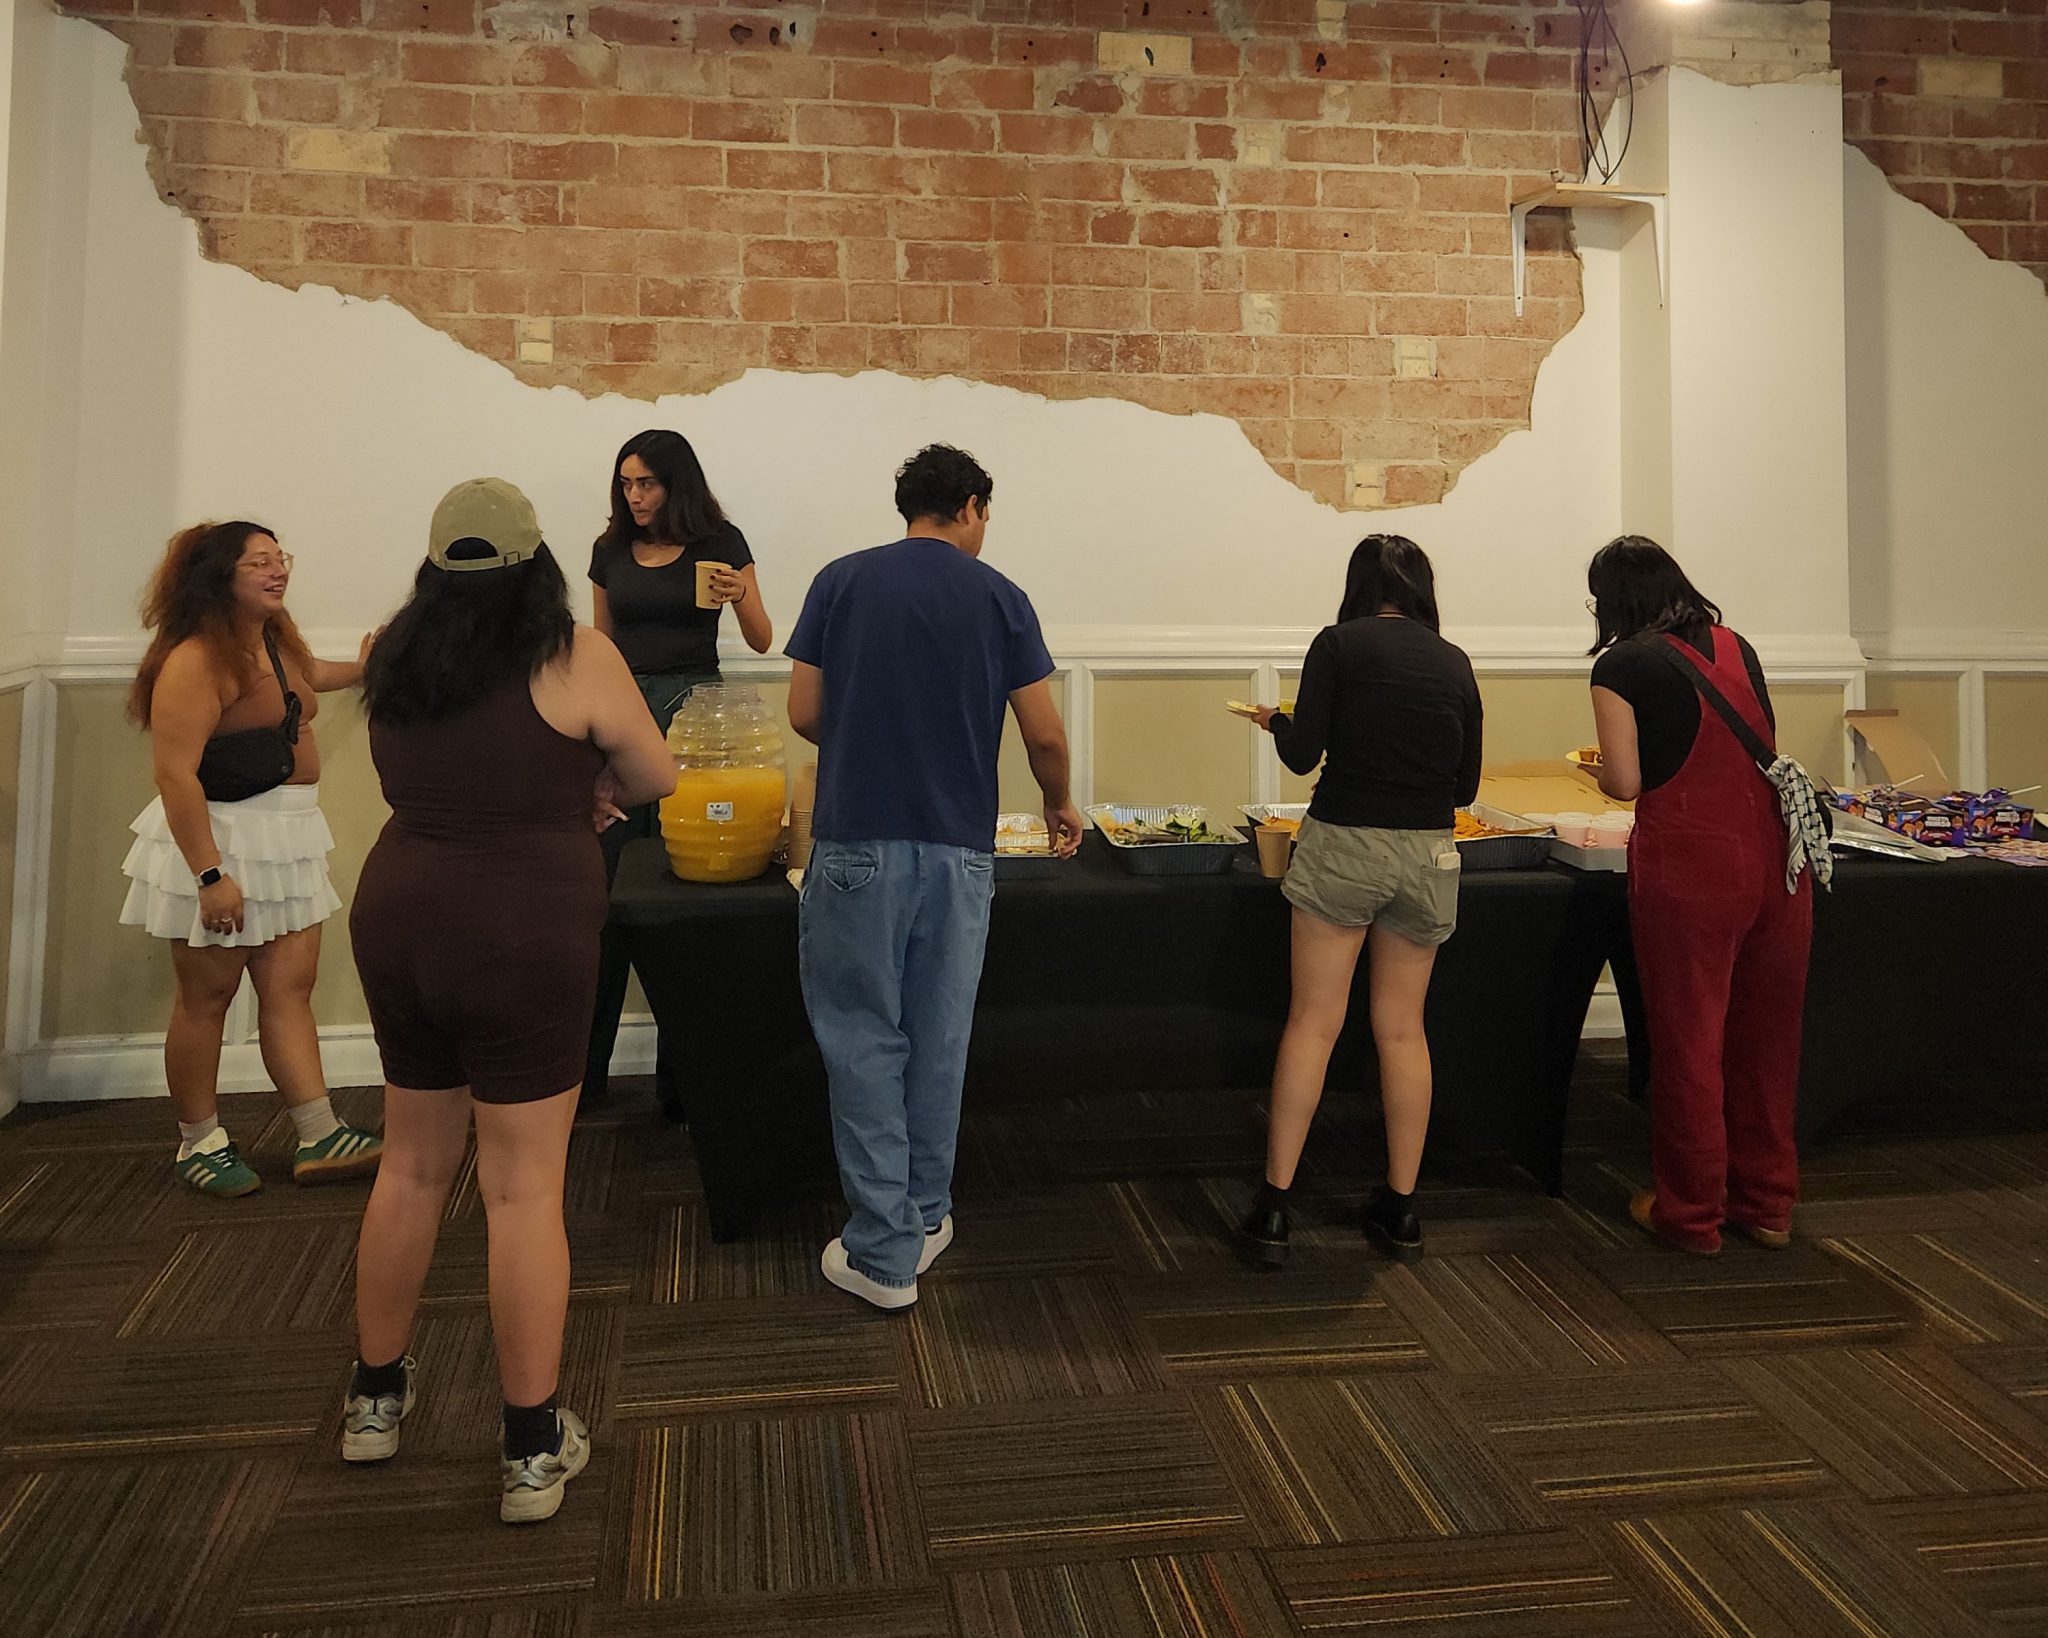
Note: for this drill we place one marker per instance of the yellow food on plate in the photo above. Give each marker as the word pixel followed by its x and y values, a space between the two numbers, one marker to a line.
pixel 1469 829
pixel 1587 756
pixel 1238 708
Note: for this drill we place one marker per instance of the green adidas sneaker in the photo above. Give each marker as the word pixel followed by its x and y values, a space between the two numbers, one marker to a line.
pixel 221 1172
pixel 345 1152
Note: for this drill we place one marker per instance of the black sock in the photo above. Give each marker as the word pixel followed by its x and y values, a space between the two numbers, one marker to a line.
pixel 1271 1196
pixel 379 1381
pixel 532 1430
pixel 1393 1199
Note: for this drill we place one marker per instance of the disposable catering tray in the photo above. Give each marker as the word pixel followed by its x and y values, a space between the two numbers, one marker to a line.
pixel 1527 848
pixel 1023 848
pixel 1166 858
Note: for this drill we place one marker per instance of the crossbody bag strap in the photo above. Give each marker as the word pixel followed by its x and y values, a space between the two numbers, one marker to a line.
pixel 292 703
pixel 1752 742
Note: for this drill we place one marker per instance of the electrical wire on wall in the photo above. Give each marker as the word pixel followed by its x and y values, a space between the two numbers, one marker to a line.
pixel 1600 42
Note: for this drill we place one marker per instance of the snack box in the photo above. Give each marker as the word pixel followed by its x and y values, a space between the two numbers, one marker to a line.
pixel 1932 821
pixel 1996 817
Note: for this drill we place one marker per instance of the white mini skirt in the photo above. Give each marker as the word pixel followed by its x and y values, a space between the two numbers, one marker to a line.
pixel 274 845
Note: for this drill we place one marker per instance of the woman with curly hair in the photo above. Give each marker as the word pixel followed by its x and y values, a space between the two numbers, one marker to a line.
pixel 230 860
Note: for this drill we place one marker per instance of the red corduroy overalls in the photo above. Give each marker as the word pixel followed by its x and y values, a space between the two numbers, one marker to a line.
pixel 1722 950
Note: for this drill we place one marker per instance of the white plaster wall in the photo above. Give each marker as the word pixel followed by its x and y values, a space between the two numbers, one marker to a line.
pixel 173 388
pixel 1948 429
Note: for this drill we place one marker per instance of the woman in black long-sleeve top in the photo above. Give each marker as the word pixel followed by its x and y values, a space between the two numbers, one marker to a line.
pixel 1392 712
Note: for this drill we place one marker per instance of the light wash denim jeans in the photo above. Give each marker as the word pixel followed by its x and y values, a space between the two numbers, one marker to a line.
pixel 891 940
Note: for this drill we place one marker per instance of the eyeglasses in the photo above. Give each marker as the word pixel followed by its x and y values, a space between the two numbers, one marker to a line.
pixel 266 565
pixel 1592 605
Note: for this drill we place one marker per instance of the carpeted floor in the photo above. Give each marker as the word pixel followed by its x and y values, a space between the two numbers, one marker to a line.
pixel 1097 1422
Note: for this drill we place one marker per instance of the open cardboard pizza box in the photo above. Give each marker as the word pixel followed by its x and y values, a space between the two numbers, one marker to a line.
pixel 1555 786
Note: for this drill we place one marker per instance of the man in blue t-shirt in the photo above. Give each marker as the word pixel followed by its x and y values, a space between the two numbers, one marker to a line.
pixel 904 659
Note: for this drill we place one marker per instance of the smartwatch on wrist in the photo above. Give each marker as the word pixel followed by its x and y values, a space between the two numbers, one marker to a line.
pixel 210 877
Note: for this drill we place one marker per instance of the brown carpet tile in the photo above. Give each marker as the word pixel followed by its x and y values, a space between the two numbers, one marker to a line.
pixel 1099 1421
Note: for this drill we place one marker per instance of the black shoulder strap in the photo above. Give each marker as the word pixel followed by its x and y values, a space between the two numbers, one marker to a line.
pixel 292 705
pixel 1760 753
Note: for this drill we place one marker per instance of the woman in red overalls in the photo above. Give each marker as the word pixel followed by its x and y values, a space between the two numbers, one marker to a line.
pixel 1721 945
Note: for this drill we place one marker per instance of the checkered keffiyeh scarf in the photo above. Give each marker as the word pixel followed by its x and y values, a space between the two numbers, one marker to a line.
pixel 1806 832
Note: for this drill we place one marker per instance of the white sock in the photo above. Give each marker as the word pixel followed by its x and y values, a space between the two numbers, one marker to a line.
pixel 314 1120
pixel 201 1136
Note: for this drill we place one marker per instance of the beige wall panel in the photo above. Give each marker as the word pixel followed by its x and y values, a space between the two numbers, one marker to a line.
pixel 1528 718
pixel 1928 704
pixel 1168 739
pixel 1810 726
pixel 2016 734
pixel 11 704
pixel 354 805
pixel 100 978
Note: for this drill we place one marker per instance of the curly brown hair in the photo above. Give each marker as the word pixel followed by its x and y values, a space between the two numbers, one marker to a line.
pixel 192 595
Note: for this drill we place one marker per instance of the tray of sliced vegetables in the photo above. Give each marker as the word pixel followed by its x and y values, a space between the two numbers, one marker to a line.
pixel 1180 840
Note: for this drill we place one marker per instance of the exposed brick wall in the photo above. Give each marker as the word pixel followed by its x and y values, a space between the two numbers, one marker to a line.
pixel 1293 214
pixel 1952 104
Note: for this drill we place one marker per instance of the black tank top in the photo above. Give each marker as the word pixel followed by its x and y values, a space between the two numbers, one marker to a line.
pixel 495 769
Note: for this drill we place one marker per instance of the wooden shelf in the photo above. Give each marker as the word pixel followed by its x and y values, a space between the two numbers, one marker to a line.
pixel 1589 196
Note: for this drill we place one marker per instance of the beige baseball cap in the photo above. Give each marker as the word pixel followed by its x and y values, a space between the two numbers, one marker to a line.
pixel 486 509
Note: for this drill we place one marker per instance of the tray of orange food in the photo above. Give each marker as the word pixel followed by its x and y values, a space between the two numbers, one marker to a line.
pixel 1488 838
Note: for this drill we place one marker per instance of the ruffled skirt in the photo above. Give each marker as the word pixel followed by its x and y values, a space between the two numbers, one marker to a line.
pixel 274 845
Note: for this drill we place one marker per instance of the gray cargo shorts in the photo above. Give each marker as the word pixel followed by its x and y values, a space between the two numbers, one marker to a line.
pixel 1355 876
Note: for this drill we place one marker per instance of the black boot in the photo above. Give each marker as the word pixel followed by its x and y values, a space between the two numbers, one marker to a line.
pixel 1264 1230
pixel 1390 1221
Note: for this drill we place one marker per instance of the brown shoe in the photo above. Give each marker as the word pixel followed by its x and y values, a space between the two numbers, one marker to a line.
pixel 1774 1239
pixel 1640 1206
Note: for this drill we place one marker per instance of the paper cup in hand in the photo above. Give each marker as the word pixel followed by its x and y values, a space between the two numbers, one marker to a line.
pixel 705 570
pixel 1276 845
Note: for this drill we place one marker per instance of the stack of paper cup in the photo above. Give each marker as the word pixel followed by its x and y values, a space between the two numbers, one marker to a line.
pixel 1611 829
pixel 800 805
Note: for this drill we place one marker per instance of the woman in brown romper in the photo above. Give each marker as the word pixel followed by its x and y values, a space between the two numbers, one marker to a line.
pixel 505 737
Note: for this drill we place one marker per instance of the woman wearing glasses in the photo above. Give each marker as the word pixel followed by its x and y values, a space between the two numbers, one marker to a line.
pixel 230 861
pixel 643 574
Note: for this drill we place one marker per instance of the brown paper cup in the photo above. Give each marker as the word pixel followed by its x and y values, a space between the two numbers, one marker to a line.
pixel 1276 846
pixel 705 569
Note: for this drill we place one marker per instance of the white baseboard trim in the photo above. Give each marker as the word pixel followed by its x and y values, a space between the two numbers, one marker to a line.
pixel 88 1069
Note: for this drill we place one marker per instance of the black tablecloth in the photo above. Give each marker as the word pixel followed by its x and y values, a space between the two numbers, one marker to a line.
pixel 1095 976
pixel 1921 973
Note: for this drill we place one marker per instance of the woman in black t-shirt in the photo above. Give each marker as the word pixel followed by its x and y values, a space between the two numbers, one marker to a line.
pixel 1720 942
pixel 1391 712
pixel 643 575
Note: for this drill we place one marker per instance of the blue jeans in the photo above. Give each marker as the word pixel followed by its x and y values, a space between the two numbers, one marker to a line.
pixel 890 944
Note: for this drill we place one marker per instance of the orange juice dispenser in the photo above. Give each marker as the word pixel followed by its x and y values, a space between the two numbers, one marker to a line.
pixel 725 817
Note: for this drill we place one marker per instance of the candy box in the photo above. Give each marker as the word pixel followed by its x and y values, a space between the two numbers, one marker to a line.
pixel 1995 817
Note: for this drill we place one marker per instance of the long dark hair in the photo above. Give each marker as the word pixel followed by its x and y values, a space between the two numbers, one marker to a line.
pixel 690 515
pixel 1639 590
pixel 192 594
pixel 1389 570
pixel 460 635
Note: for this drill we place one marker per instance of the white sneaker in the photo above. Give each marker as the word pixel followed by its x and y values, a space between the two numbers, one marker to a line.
pixel 533 1487
pixel 840 1272
pixel 935 1241
pixel 369 1422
